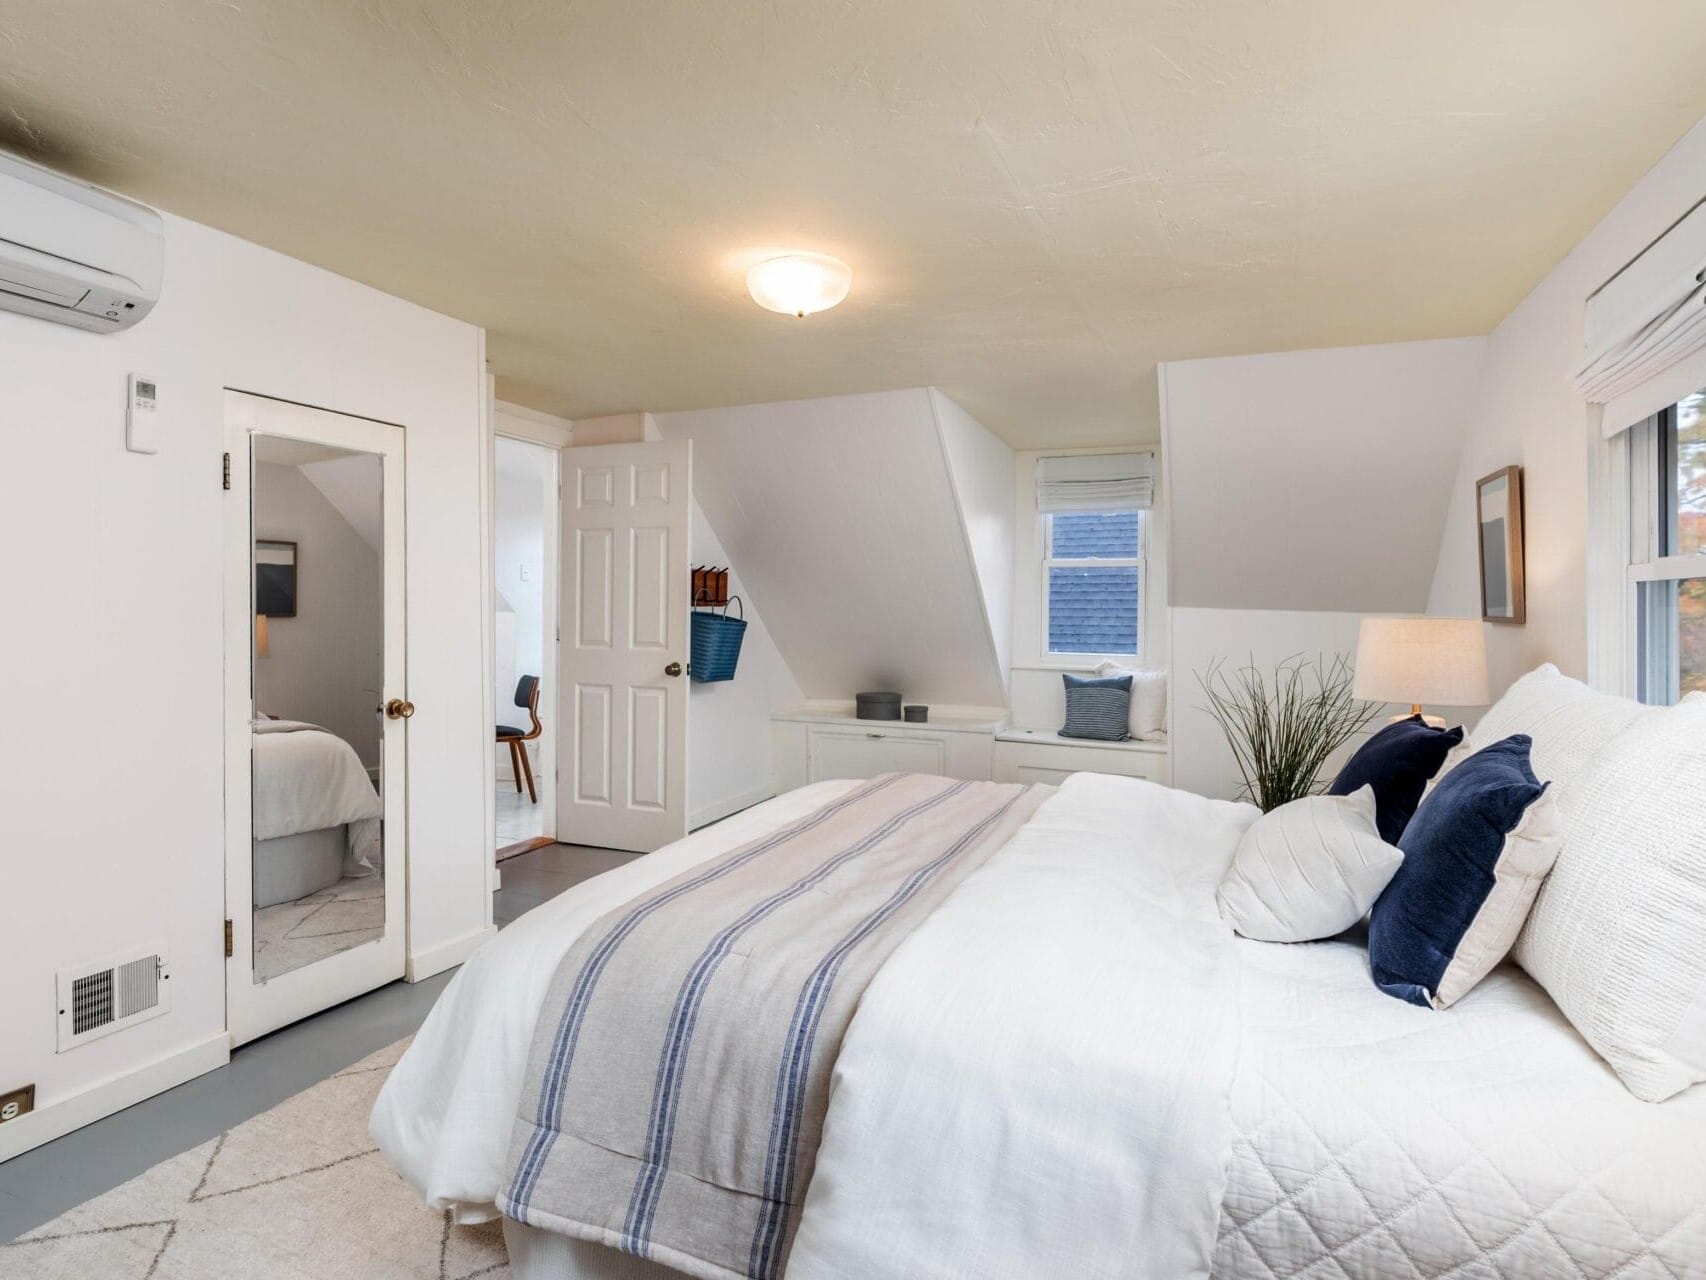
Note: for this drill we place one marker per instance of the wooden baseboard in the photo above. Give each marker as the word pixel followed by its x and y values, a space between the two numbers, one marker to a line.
pixel 523 846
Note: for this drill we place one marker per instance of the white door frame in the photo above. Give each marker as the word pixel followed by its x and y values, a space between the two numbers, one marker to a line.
pixel 545 777
pixel 253 1009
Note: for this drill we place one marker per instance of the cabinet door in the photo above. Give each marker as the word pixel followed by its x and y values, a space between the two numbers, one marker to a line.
pixel 858 753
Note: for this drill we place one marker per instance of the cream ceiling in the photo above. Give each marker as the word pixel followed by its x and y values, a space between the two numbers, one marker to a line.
pixel 1039 199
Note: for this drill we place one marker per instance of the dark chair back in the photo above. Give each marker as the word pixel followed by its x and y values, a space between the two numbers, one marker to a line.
pixel 526 689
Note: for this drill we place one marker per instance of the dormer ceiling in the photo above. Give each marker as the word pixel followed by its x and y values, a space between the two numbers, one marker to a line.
pixel 1038 201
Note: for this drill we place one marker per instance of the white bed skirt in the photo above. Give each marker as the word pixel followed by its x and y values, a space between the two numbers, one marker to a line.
pixel 292 867
pixel 542 1255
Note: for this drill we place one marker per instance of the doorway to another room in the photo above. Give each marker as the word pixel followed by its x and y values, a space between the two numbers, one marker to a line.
pixel 524 549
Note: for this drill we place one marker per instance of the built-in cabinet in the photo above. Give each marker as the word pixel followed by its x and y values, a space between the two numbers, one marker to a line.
pixel 811 746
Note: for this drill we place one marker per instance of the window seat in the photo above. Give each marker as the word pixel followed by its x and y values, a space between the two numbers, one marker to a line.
pixel 1042 755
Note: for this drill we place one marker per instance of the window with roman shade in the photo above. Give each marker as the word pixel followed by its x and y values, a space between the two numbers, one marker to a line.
pixel 1093 509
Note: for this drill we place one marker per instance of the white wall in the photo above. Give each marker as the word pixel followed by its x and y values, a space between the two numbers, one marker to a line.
pixel 1306 490
pixel 1526 411
pixel 110 819
pixel 1314 479
pixel 1202 761
pixel 980 471
pixel 325 664
pixel 728 749
pixel 840 515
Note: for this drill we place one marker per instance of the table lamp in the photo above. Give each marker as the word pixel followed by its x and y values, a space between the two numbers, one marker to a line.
pixel 1422 660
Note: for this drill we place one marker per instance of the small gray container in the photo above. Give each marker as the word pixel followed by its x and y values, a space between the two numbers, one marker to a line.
pixel 917 714
pixel 877 706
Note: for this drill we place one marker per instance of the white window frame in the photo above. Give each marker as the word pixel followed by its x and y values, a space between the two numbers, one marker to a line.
pixel 1140 562
pixel 1650 461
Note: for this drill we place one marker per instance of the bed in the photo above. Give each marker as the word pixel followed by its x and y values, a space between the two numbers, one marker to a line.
pixel 316 814
pixel 1070 1067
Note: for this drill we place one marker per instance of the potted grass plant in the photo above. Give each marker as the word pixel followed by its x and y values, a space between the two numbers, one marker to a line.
pixel 1284 725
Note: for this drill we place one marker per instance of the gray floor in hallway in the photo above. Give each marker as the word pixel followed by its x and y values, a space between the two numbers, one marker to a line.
pixel 42 1184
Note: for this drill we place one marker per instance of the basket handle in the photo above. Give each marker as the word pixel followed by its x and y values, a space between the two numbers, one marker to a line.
pixel 739 601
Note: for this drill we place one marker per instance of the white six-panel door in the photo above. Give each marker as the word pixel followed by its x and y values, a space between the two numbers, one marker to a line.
pixel 622 742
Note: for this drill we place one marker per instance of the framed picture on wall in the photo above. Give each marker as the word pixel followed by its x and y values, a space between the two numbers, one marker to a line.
pixel 1498 509
pixel 275 578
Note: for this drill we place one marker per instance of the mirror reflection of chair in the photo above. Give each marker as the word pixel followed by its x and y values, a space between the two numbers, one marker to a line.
pixel 526 695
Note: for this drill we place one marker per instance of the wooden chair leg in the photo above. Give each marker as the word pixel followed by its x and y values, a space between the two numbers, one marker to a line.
pixel 515 764
pixel 527 768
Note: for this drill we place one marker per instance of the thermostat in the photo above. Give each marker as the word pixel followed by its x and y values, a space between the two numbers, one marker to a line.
pixel 141 416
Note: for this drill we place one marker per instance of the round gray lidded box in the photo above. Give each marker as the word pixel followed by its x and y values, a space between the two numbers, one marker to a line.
pixel 877 706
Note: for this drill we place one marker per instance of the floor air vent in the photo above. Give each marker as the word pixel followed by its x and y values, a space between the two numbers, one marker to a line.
pixel 111 995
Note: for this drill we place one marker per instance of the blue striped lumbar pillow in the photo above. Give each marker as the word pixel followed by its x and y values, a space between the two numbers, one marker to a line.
pixel 1097 708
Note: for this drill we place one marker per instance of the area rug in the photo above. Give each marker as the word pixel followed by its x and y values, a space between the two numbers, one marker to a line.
pixel 297 1193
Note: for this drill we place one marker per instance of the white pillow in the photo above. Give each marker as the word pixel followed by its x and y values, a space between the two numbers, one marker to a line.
pixel 1618 934
pixel 1309 869
pixel 1148 699
pixel 1568 721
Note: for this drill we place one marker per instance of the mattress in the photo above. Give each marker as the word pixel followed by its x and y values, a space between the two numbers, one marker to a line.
pixel 1375 1138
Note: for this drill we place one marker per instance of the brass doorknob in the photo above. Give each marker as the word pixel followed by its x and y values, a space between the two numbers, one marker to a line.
pixel 673 669
pixel 399 709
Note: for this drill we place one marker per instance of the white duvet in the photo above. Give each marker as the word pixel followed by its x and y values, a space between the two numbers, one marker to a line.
pixel 1106 1084
pixel 986 1126
pixel 307 779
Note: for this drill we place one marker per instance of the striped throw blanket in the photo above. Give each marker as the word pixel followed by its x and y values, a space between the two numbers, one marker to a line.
pixel 678 1081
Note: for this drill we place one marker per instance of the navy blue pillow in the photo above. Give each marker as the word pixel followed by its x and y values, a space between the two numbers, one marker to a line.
pixel 1397 762
pixel 1097 707
pixel 1457 854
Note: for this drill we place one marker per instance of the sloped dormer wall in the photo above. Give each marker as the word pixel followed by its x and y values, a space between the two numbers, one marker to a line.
pixel 877 562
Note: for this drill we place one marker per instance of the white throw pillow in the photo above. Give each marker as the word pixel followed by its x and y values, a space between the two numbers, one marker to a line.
pixel 1148 699
pixel 1309 869
pixel 1568 722
pixel 1618 934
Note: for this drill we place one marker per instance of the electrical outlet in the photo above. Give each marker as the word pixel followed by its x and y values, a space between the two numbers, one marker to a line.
pixel 16 1103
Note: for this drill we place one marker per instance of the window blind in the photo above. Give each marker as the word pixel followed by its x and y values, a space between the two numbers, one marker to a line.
pixel 1096 482
pixel 1645 329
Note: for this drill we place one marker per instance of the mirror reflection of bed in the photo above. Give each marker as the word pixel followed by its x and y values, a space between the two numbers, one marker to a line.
pixel 318 838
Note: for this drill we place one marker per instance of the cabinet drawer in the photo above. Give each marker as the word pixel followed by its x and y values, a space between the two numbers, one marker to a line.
pixel 865 753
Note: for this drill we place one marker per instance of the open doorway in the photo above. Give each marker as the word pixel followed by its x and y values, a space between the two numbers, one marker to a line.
pixel 525 600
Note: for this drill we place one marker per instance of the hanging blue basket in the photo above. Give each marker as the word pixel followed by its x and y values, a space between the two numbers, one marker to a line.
pixel 716 641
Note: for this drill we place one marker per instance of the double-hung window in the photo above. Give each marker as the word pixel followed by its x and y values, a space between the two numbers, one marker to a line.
pixel 1667 538
pixel 1093 510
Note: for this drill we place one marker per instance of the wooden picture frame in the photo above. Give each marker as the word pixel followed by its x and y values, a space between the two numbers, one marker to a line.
pixel 1498 524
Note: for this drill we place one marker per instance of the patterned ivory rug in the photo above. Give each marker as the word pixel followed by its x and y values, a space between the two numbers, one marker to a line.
pixel 297 1193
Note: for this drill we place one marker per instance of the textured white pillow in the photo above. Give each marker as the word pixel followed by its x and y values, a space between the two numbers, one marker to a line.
pixel 1309 869
pixel 1568 721
pixel 1148 699
pixel 1618 934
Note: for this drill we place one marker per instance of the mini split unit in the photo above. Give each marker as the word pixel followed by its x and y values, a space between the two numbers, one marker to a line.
pixel 75 254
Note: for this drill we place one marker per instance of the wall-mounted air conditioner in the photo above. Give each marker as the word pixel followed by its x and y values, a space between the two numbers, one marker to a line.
pixel 75 254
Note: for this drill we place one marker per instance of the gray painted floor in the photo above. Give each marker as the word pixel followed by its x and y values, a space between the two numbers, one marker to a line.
pixel 42 1184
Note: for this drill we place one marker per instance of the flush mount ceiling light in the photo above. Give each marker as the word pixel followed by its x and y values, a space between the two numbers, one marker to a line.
pixel 797 284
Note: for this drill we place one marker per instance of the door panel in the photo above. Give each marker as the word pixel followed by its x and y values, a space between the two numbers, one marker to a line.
pixel 315 769
pixel 626 519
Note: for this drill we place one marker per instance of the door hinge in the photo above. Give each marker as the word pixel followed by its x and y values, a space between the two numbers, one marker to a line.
pixel 225 472
pixel 228 944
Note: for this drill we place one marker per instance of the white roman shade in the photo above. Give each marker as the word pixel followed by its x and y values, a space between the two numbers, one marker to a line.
pixel 1096 482
pixel 1645 329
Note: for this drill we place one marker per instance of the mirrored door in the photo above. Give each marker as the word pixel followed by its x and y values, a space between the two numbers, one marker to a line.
pixel 316 711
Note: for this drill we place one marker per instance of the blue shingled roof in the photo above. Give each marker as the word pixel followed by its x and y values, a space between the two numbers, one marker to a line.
pixel 1093 610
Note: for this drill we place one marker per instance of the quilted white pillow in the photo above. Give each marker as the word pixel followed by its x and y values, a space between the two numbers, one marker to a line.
pixel 1568 722
pixel 1148 699
pixel 1618 934
pixel 1309 869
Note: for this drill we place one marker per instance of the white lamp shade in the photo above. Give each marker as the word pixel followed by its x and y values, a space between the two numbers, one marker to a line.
pixel 798 284
pixel 1438 661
